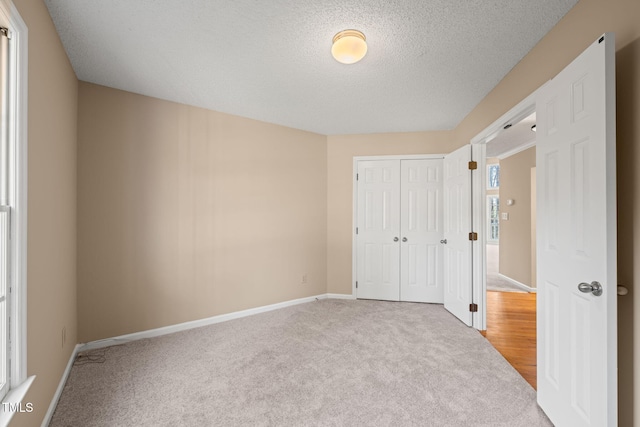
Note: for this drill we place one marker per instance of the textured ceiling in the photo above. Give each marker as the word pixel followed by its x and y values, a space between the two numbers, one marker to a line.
pixel 429 61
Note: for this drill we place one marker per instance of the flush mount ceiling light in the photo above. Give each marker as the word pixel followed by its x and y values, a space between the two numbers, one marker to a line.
pixel 349 46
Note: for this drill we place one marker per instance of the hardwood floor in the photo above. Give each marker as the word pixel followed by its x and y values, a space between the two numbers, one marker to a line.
pixel 511 329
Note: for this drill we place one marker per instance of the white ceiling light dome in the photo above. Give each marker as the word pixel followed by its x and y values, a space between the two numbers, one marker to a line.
pixel 349 46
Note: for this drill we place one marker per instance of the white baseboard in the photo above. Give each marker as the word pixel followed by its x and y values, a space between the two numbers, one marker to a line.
pixel 58 393
pixel 518 284
pixel 338 296
pixel 203 322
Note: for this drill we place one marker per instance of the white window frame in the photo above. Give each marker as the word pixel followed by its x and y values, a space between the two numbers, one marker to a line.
pixel 488 224
pixel 17 127
pixel 489 166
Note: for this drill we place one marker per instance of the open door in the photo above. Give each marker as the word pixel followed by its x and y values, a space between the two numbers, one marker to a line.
pixel 576 234
pixel 457 226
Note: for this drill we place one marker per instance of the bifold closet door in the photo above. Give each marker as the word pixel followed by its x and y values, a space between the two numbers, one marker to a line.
pixel 421 228
pixel 457 252
pixel 378 222
pixel 399 221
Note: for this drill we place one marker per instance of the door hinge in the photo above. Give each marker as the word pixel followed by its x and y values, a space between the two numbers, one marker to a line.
pixel 356 284
pixel 473 308
pixel 473 165
pixel 356 230
pixel 357 176
pixel 473 236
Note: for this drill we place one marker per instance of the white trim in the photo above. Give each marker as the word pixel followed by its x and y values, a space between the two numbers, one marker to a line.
pixel 478 225
pixel 122 339
pixel 18 191
pixel 354 224
pixel 337 296
pixel 399 157
pixel 61 384
pixel 354 219
pixel 518 284
pixel 516 150
pixel 15 397
pixel 520 111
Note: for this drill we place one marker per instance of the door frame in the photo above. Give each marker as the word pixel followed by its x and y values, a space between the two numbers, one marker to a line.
pixel 354 199
pixel 479 200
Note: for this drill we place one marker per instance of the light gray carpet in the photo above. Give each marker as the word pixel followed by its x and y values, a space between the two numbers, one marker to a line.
pixel 324 363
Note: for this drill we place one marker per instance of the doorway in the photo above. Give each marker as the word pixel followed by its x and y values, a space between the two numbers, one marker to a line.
pixel 510 246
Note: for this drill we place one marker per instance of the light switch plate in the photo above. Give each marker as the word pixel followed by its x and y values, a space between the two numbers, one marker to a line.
pixel 505 216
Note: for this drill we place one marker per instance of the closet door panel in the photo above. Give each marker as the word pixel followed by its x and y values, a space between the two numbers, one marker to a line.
pixel 378 222
pixel 421 225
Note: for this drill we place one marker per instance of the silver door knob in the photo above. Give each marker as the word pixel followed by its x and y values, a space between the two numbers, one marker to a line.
pixel 404 239
pixel 395 239
pixel 443 241
pixel 594 287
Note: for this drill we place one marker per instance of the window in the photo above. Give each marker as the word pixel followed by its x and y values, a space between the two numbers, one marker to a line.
pixel 5 211
pixel 493 176
pixel 14 383
pixel 493 219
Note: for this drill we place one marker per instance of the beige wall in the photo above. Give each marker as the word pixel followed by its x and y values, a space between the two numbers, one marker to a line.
pixel 186 213
pixel 574 33
pixel 515 233
pixel 341 150
pixel 51 275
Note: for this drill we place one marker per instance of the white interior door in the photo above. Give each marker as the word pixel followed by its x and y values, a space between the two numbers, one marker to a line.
pixel 457 226
pixel 421 230
pixel 576 234
pixel 378 234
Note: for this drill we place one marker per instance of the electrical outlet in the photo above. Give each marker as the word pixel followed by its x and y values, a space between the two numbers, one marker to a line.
pixel 304 278
pixel 64 336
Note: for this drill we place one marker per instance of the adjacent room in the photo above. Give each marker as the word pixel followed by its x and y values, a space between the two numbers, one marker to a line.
pixel 511 245
pixel 232 213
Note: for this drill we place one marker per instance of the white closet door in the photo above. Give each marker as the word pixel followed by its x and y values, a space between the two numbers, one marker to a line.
pixel 421 224
pixel 457 225
pixel 378 222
